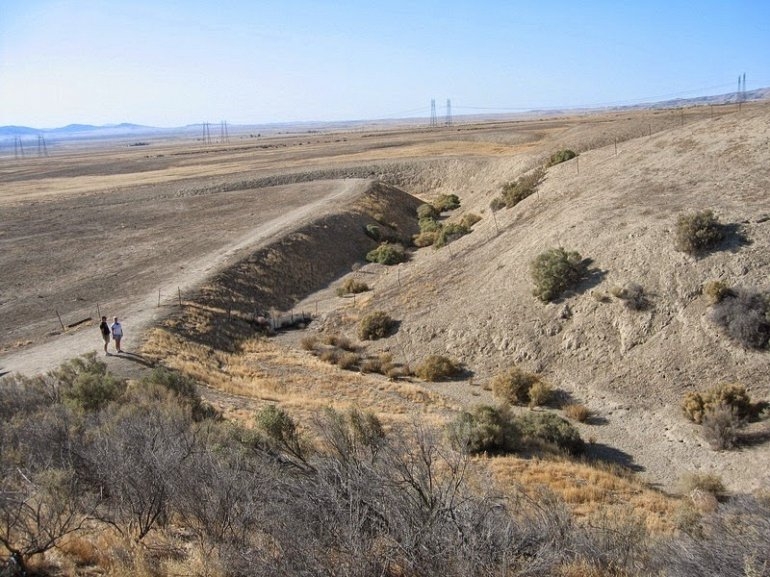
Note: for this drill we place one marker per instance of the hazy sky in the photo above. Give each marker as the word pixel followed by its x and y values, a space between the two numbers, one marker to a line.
pixel 177 62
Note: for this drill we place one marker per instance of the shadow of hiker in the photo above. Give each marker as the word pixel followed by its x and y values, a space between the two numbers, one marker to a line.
pixel 136 358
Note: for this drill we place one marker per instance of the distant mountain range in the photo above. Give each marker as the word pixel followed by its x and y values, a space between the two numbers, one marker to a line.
pixel 127 129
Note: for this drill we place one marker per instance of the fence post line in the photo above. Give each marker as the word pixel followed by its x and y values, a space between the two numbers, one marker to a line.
pixel 60 321
pixel 98 312
pixel 179 293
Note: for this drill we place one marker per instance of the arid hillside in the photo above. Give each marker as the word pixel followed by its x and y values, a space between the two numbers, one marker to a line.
pixel 279 226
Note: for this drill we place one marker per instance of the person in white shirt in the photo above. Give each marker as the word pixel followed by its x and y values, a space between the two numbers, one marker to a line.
pixel 117 333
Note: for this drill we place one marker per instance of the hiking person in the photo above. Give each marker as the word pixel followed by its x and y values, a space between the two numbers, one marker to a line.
pixel 105 328
pixel 117 333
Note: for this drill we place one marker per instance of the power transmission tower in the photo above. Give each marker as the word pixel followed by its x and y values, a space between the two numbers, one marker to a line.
pixel 206 133
pixel 223 136
pixel 433 121
pixel 42 149
pixel 448 112
pixel 18 148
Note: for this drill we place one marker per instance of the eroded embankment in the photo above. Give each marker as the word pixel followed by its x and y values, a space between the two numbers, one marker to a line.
pixel 304 260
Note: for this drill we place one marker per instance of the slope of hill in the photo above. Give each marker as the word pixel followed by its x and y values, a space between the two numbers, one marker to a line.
pixel 473 300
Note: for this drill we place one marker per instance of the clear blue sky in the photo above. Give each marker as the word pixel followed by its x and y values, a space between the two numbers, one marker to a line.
pixel 177 62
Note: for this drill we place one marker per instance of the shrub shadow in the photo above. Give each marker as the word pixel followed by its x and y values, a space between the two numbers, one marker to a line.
pixel 754 438
pixel 607 454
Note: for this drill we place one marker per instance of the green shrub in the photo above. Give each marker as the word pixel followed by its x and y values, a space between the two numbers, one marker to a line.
pixel 513 386
pixel 743 315
pixel 373 231
pixel 437 368
pixel 555 271
pixel 446 202
pixel 375 325
pixel 697 232
pixel 85 382
pixel 561 156
pixel 388 254
pixel 695 404
pixel 427 211
pixel 352 286
pixel 450 233
pixel 429 225
pixel 497 203
pixel 184 388
pixel 484 430
pixel 551 429
pixel 523 187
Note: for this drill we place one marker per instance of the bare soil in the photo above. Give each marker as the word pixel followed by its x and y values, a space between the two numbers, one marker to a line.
pixel 128 231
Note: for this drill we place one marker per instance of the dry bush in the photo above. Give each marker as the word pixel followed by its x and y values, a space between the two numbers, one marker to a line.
pixel 437 368
pixel 375 325
pixel 577 412
pixel 744 316
pixel 339 341
pixel 352 286
pixel 331 356
pixel 513 386
pixel 424 239
pixel 707 482
pixel 550 429
pixel 540 393
pixel 632 294
pixel 720 427
pixel 554 271
pixel 469 219
pixel 697 232
pixel 348 361
pixel 716 291
pixel 695 404
pixel 309 342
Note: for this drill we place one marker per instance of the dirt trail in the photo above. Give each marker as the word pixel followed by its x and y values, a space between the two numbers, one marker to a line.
pixel 143 312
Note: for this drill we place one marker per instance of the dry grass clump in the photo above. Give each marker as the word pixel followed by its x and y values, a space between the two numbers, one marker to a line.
pixel 697 232
pixel 339 341
pixel 352 286
pixel 554 271
pixel 540 394
pixel 716 291
pixel 437 368
pixel 309 342
pixel 632 294
pixel 577 412
pixel 707 482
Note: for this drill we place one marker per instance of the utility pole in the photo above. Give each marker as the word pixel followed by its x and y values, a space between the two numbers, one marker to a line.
pixel 433 120
pixel 448 112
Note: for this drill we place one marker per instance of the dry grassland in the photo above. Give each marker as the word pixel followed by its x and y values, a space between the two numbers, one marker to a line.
pixel 117 227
